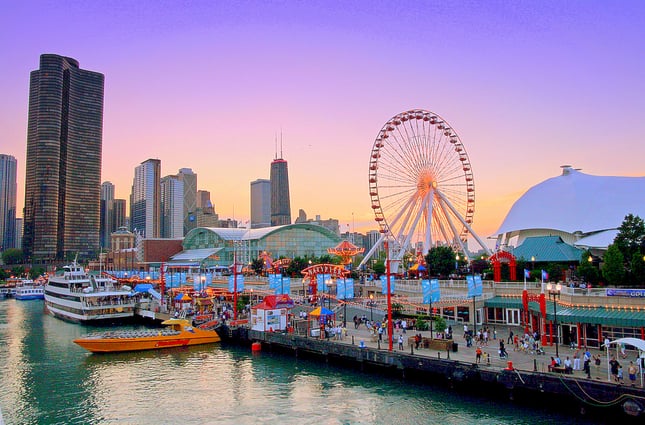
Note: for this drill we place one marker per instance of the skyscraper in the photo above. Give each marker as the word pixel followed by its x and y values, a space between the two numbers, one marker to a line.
pixel 172 207
pixel 189 178
pixel 8 191
pixel 145 200
pixel 280 203
pixel 63 166
pixel 107 198
pixel 260 203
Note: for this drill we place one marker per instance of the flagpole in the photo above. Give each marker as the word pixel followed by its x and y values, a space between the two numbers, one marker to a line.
pixel 525 279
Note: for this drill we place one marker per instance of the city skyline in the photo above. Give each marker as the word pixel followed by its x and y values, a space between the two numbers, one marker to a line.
pixel 527 87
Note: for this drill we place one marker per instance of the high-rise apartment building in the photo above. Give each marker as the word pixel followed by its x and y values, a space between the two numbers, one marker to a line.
pixel 189 180
pixel 204 199
pixel 145 200
pixel 118 215
pixel 260 203
pixel 63 166
pixel 107 198
pixel 280 203
pixel 8 192
pixel 172 207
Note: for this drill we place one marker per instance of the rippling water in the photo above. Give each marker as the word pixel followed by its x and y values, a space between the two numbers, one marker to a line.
pixel 46 379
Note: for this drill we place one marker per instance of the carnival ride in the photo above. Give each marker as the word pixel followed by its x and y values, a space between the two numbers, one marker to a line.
pixel 421 185
pixel 346 251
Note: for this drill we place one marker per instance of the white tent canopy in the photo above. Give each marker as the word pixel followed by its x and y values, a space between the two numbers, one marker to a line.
pixel 638 343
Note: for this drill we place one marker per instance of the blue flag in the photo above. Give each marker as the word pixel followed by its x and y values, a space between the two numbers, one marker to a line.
pixel 384 284
pixel 527 274
pixel 345 289
pixel 232 283
pixel 545 275
pixel 321 282
pixel 431 291
pixel 474 285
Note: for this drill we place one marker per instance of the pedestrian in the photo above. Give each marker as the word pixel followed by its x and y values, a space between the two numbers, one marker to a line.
pixel 587 367
pixel 631 371
pixel 510 338
pixel 478 354
pixel 401 342
pixel 620 374
pixel 576 360
pixel 614 366
pixel 494 333
pixel 502 350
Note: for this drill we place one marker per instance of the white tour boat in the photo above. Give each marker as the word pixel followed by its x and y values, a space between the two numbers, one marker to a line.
pixel 73 294
pixel 28 290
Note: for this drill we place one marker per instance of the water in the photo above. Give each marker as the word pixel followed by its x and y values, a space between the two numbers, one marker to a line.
pixel 47 379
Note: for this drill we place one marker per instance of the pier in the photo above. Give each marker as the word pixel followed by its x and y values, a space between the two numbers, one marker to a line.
pixel 522 377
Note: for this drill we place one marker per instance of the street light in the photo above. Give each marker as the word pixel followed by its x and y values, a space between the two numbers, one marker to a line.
pixel 371 308
pixel 554 291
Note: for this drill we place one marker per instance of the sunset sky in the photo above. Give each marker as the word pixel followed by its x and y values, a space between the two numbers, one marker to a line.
pixel 209 85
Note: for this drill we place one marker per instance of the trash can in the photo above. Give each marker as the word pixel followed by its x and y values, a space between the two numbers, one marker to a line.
pixel 454 347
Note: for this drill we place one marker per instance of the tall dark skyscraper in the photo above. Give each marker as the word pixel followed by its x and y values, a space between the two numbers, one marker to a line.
pixel 280 203
pixel 63 167
pixel 8 191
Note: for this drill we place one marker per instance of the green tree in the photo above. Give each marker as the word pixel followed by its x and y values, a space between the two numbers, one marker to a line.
pixel 258 266
pixel 630 237
pixel 613 269
pixel 36 271
pixel 379 267
pixel 12 256
pixel 637 269
pixel 440 261
pixel 586 270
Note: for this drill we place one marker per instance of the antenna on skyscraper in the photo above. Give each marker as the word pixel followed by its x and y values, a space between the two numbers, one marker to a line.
pixel 281 157
pixel 276 146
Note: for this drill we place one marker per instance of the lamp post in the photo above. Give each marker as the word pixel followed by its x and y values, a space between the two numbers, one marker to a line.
pixel 456 262
pixel 371 307
pixel 533 262
pixel 554 291
pixel 304 293
pixel 203 279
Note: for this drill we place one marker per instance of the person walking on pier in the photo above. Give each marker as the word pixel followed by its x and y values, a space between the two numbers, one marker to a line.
pixel 510 337
pixel 587 367
pixel 576 360
pixel 478 355
pixel 631 371
pixel 401 342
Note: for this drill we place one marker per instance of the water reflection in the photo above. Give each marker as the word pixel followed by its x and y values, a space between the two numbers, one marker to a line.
pixel 49 380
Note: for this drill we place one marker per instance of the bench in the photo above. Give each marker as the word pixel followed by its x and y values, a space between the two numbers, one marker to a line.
pixel 558 369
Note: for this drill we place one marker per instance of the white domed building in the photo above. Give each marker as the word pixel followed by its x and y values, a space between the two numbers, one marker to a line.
pixel 585 211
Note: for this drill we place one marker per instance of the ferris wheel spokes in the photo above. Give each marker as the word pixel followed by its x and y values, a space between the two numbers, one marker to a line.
pixel 467 225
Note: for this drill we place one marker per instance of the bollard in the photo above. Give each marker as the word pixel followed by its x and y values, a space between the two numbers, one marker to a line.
pixel 378 344
pixel 448 353
pixel 488 360
pixel 438 354
pixel 412 349
pixel 352 339
pixel 534 365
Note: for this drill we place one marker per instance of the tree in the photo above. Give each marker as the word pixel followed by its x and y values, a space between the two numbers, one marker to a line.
pixel 440 261
pixel 613 269
pixel 586 270
pixel 630 237
pixel 36 272
pixel 637 269
pixel 12 256
pixel 379 267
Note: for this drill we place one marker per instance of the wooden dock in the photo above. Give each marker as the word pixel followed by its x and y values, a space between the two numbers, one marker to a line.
pixel 545 389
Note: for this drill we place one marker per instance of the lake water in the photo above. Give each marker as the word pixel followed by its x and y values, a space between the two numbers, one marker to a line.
pixel 47 379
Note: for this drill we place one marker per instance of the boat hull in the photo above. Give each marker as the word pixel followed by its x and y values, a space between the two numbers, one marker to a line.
pixel 30 297
pixel 112 345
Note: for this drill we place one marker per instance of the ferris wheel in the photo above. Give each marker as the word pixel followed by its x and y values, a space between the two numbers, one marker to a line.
pixel 421 184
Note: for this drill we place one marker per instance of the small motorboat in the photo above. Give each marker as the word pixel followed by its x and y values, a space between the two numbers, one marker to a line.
pixel 178 333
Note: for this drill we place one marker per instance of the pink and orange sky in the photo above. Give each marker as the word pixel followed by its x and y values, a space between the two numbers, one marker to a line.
pixel 528 86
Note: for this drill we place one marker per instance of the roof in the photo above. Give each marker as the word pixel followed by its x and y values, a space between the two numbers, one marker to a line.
pixel 598 240
pixel 255 234
pixel 635 342
pixel 193 255
pixel 547 248
pixel 593 315
pixel 577 202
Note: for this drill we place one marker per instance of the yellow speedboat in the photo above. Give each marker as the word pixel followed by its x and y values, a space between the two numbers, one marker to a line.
pixel 178 333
